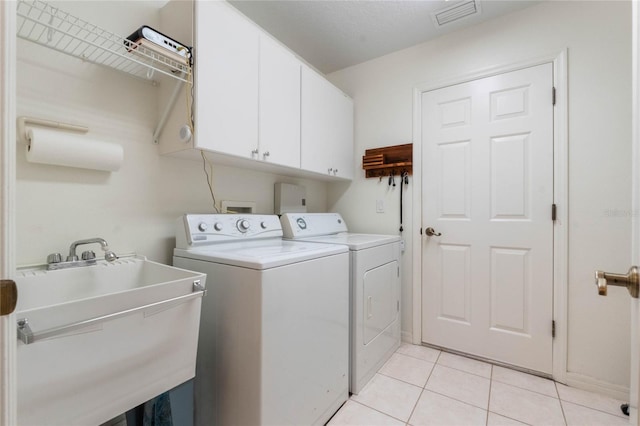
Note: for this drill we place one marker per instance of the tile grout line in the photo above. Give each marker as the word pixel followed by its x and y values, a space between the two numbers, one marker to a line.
pixel 454 399
pixel 423 389
pixel 414 406
pixel 591 408
pixel 447 396
pixel 468 372
pixel 489 405
pixel 415 357
pixel 491 379
pixel 528 389
pixel 404 381
pixel 486 421
pixel 539 394
pixel 558 397
pixel 375 409
pixel 583 405
pixel 564 416
pixel 510 418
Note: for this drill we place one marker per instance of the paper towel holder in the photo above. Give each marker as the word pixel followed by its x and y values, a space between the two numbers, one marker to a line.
pixel 24 121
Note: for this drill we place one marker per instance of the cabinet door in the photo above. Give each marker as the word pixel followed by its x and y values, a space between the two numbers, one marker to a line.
pixel 326 127
pixel 279 104
pixel 343 124
pixel 226 59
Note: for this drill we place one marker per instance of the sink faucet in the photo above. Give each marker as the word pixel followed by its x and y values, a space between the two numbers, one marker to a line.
pixel 54 260
pixel 109 256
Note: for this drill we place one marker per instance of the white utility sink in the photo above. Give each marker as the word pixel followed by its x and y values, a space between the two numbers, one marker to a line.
pixel 102 339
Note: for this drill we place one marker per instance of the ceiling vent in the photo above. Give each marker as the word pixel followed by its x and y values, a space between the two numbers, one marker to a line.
pixel 455 12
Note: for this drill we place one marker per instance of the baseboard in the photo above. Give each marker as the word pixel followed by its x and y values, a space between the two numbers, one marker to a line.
pixel 581 381
pixel 406 337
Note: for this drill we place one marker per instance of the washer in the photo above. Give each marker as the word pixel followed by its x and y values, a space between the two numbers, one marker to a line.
pixel 375 288
pixel 274 330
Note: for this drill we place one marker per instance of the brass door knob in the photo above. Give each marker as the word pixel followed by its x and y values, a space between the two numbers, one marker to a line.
pixel 630 280
pixel 432 232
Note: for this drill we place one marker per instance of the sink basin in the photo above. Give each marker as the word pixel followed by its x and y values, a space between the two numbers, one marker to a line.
pixel 102 339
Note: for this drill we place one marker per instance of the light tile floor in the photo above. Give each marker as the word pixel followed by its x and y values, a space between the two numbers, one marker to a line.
pixel 423 386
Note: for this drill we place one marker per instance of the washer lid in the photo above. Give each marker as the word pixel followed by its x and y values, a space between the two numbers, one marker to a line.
pixel 354 241
pixel 262 254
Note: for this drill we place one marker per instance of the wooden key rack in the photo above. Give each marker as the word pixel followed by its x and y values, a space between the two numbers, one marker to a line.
pixel 389 160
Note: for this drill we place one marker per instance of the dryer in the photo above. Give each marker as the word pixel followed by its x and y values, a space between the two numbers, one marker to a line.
pixel 374 288
pixel 274 330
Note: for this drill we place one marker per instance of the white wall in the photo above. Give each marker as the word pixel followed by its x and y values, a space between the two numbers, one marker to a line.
pixel 134 209
pixel 597 35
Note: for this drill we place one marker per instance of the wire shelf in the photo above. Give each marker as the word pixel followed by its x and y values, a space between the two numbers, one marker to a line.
pixel 51 27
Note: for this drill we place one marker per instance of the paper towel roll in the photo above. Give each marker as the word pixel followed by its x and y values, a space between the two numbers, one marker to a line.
pixel 67 149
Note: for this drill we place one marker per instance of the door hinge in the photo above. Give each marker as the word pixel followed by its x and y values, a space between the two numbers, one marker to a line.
pixel 553 96
pixel 553 328
pixel 420 231
pixel 553 212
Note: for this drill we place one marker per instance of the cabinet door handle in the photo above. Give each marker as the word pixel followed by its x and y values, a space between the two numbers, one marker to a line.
pixel 254 152
pixel 335 171
pixel 266 154
pixel 330 170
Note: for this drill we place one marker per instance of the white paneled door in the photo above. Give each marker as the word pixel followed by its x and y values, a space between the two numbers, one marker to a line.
pixel 487 149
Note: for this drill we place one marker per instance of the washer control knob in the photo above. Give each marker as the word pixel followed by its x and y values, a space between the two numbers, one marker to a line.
pixel 217 226
pixel 243 225
pixel 203 226
pixel 263 225
pixel 301 223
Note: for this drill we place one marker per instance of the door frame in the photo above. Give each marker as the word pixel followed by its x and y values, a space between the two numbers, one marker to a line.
pixel 560 195
pixel 634 380
pixel 8 339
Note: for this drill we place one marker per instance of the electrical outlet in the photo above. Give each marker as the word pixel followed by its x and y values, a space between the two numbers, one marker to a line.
pixel 379 206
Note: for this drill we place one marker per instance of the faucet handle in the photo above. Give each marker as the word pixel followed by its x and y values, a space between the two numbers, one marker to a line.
pixel 54 258
pixel 88 255
pixel 110 256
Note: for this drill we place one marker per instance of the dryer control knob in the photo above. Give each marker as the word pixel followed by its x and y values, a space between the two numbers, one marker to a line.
pixel 263 225
pixel 217 226
pixel 202 226
pixel 243 225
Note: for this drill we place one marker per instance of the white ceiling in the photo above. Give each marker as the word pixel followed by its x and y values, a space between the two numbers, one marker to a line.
pixel 335 34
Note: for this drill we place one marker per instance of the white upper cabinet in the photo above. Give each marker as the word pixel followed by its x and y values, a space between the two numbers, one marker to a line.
pixel 279 105
pixel 326 127
pixel 247 89
pixel 227 66
pixel 255 104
